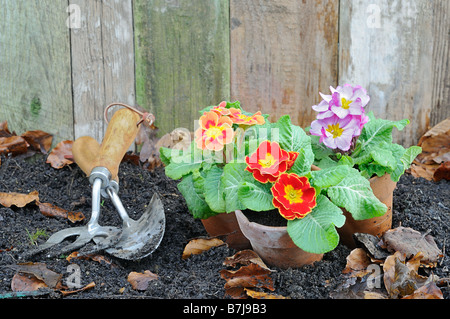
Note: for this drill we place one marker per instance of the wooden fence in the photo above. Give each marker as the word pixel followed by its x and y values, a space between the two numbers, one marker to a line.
pixel 63 61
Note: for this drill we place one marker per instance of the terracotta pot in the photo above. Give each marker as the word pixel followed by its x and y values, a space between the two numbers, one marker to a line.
pixel 227 224
pixel 383 188
pixel 274 245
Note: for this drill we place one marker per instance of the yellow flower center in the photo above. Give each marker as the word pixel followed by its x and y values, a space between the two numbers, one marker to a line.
pixel 214 132
pixel 293 195
pixel 335 130
pixel 345 103
pixel 268 161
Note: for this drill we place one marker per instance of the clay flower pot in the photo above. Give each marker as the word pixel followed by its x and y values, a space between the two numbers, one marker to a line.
pixel 274 245
pixel 227 224
pixel 383 188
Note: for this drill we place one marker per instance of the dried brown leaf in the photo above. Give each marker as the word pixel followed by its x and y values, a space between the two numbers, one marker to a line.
pixel 357 263
pixel 69 292
pixel 94 257
pixel 248 276
pixel 263 295
pixel 428 291
pixel 39 140
pixel 14 145
pixel 60 155
pixel 140 281
pixel 409 242
pixel 51 210
pixel 442 172
pixel 198 245
pixel 26 282
pixel 18 199
pixel 245 257
pixel 40 271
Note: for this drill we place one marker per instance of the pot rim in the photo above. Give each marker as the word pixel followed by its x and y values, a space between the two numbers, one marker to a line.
pixel 264 227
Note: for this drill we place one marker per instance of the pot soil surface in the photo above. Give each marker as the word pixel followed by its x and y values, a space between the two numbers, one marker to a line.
pixel 418 203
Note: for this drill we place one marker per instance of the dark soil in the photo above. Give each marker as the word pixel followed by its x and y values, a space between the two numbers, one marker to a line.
pixel 419 204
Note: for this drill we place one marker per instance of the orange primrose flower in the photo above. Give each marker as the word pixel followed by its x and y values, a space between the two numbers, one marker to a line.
pixel 239 118
pixel 268 162
pixel 293 196
pixel 214 132
pixel 221 109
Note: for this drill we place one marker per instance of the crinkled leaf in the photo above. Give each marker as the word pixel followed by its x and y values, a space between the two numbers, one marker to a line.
pixel 405 162
pixel 182 165
pixel 355 195
pixel 256 196
pixel 316 232
pixel 377 131
pixel 194 198
pixel 233 175
pixel 214 189
pixel 330 176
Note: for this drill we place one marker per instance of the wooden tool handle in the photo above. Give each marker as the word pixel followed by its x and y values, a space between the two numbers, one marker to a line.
pixel 120 134
pixel 85 151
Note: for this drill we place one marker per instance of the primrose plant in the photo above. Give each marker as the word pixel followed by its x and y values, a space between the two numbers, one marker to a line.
pixel 344 134
pixel 242 161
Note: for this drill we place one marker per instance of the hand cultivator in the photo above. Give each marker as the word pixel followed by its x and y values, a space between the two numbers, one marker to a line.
pixel 136 239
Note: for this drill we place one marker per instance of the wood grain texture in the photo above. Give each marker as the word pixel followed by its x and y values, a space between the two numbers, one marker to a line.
pixel 35 81
pixel 182 58
pixel 283 53
pixel 102 62
pixel 440 103
pixel 393 59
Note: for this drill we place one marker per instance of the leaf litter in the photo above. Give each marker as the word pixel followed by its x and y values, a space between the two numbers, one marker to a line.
pixel 199 276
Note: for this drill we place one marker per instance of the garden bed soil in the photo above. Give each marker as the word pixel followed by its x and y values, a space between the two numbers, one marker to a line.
pixel 418 203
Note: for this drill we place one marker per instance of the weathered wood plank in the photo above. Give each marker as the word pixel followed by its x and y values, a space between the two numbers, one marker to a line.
pixel 102 62
pixel 283 53
pixel 387 47
pixel 182 58
pixel 35 80
pixel 440 103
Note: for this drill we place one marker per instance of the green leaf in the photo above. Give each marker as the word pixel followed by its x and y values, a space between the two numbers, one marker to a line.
pixel 330 176
pixel 194 197
pixel 355 195
pixel 405 162
pixel 214 189
pixel 291 137
pixel 316 232
pixel 166 154
pixel 233 176
pixel 182 165
pixel 377 131
pixel 320 150
pixel 256 196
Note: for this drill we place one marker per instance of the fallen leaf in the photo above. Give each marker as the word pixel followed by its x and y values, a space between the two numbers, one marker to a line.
pixel 51 210
pixel 198 245
pixel 94 257
pixel 59 156
pixel 140 281
pixel 252 275
pixel 39 140
pixel 245 257
pixel 40 271
pixel 371 244
pixel 435 145
pixel 4 131
pixel 262 295
pixel 400 277
pixel 442 172
pixel 374 295
pixel 69 292
pixel 357 263
pixel 14 145
pixel 26 282
pixel 18 199
pixel 428 291
pixel 409 242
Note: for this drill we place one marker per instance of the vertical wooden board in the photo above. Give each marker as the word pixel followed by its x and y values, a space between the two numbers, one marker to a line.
pixel 386 46
pixel 440 103
pixel 102 62
pixel 35 80
pixel 283 53
pixel 182 58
